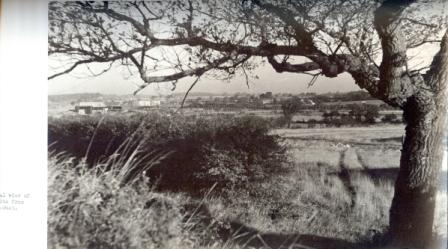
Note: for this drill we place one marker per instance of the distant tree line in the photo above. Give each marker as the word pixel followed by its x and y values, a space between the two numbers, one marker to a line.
pixel 353 114
pixel 255 101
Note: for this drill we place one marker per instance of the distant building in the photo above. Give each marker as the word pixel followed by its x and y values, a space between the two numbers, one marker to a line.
pixel 115 108
pixel 114 105
pixel 146 104
pixel 267 101
pixel 308 102
pixel 91 107
pixel 267 98
pixel 156 102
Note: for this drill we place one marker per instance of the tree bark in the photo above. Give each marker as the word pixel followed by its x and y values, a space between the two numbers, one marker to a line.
pixel 412 211
pixel 423 100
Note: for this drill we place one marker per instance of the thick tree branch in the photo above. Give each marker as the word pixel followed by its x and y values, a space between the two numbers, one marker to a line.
pixel 198 72
pixel 395 85
pixel 261 50
pixel 281 67
pixel 437 76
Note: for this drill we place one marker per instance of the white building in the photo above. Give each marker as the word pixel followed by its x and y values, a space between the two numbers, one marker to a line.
pixel 146 103
pixel 91 107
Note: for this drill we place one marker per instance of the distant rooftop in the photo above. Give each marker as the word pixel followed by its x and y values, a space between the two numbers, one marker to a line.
pixel 92 103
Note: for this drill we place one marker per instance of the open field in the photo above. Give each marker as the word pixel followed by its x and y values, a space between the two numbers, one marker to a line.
pixel 341 186
pixel 357 102
pixel 369 133
pixel 365 159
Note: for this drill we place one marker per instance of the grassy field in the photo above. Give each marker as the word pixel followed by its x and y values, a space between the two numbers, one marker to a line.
pixel 336 194
pixel 366 161
pixel 341 185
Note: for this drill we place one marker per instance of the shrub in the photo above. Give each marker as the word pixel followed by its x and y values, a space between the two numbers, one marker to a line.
pixel 222 165
pixel 91 209
pixel 372 113
pixel 93 137
pixel 364 113
pixel 312 123
pixel 230 151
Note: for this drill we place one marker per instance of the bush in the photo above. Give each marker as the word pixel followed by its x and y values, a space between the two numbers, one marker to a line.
pixel 372 113
pixel 222 166
pixel 91 209
pixel 312 123
pixel 289 108
pixel 364 113
pixel 228 151
pixel 332 118
pixel 74 134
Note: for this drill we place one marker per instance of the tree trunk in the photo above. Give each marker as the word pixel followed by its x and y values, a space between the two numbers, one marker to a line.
pixel 412 211
pixel 423 100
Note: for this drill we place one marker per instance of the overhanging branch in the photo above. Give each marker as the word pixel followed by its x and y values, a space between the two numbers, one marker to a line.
pixel 198 72
pixel 281 67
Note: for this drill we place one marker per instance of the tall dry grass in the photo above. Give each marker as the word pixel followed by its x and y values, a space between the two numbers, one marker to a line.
pixel 95 208
pixel 310 201
pixel 92 208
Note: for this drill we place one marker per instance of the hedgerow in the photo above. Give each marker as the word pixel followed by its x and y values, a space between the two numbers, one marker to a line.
pixel 199 152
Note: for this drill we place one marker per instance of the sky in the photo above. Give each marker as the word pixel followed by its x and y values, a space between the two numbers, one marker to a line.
pixel 117 82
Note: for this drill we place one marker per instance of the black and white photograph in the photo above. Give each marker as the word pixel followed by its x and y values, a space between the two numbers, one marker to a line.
pixel 231 124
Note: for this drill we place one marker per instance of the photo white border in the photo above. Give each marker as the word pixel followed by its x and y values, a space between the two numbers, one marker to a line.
pixel 23 122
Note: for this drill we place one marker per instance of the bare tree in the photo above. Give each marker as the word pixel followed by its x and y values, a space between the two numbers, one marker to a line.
pixel 376 42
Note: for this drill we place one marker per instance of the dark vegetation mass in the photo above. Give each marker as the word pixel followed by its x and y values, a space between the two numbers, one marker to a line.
pixel 194 153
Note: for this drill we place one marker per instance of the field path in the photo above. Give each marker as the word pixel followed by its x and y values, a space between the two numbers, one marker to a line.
pixel 364 166
pixel 344 175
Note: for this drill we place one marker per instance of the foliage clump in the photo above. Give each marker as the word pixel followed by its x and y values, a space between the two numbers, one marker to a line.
pixel 199 152
pixel 88 208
